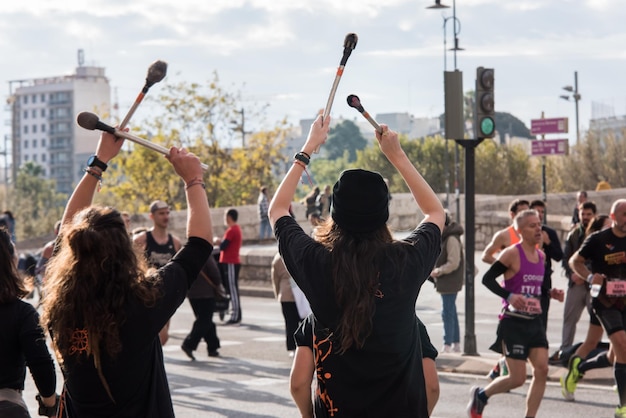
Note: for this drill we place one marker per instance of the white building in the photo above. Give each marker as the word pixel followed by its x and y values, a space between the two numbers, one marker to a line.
pixel 43 127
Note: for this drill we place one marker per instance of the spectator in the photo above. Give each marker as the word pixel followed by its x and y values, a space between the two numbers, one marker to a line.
pixel 230 264
pixel 23 342
pixel 448 276
pixel 265 230
pixel 362 285
pixel 103 312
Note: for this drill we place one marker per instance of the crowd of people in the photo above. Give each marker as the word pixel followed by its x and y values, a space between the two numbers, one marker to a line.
pixel 347 290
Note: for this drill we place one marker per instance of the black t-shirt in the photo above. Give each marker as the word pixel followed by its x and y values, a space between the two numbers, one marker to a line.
pixel 136 377
pixel 22 342
pixel 605 253
pixel 385 377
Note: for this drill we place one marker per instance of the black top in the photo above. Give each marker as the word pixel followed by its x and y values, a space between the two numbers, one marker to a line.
pixel 385 377
pixel 159 254
pixel 22 343
pixel 606 254
pixel 136 376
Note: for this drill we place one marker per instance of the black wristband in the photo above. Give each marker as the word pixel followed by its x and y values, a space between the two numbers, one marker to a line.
pixel 94 161
pixel 48 411
pixel 302 157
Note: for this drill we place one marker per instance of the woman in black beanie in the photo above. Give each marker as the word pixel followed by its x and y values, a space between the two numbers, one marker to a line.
pixel 362 285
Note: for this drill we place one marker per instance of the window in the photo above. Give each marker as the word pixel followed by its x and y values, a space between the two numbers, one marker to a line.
pixel 25 99
pixel 34 112
pixel 43 97
pixel 25 158
pixel 26 114
pixel 43 143
pixel 35 157
pixel 34 143
pixel 25 143
pixel 43 171
pixel 43 160
pixel 43 127
pixel 35 129
pixel 34 98
pixel 25 129
pixel 43 113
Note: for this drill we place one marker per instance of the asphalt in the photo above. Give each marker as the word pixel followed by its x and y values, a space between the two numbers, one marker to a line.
pixel 479 363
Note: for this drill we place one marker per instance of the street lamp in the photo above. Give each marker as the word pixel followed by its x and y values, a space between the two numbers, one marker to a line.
pixel 576 97
pixel 454 49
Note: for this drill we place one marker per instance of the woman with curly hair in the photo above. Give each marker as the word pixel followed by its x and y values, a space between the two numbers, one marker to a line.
pixel 104 311
pixel 22 342
pixel 362 285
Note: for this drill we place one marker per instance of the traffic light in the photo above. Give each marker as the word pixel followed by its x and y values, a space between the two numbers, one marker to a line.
pixel 484 113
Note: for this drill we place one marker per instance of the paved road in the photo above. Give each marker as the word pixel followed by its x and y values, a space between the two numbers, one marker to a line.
pixel 250 379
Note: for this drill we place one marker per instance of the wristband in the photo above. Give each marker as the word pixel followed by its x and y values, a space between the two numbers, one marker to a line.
pixel 194 182
pixel 48 411
pixel 590 278
pixel 508 298
pixel 302 157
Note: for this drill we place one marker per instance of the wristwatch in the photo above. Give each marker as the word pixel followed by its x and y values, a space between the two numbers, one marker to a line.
pixel 94 161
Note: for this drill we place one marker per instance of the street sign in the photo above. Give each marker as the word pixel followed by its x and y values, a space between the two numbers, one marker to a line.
pixel 548 126
pixel 549 147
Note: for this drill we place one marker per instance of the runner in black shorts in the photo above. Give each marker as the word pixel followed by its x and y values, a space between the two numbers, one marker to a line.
pixel 521 334
pixel 605 254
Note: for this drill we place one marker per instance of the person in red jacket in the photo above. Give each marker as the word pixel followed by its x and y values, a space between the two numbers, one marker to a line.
pixel 230 264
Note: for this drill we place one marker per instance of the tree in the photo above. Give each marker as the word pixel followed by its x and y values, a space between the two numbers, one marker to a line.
pixel 36 204
pixel 197 117
pixel 344 136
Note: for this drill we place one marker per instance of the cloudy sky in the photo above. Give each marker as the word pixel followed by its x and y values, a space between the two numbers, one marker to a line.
pixel 285 52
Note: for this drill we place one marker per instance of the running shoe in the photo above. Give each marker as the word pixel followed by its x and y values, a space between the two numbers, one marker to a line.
pixel 476 405
pixel 620 412
pixel 570 380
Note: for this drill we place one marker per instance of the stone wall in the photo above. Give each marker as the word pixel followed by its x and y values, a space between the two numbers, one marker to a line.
pixel 491 214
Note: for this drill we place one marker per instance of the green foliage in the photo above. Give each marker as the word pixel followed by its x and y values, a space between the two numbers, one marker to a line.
pixel 345 136
pixel 36 206
pixel 197 117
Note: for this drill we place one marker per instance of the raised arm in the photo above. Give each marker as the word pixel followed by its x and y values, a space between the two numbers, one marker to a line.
pixel 82 197
pixel 279 206
pixel 424 195
pixel 187 166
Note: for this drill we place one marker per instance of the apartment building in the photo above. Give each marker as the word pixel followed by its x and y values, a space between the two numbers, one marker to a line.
pixel 43 126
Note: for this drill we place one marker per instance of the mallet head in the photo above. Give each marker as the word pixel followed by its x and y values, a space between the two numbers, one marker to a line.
pixel 350 41
pixel 156 72
pixel 91 121
pixel 354 101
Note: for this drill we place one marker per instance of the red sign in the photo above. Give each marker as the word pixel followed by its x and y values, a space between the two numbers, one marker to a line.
pixel 549 147
pixel 548 126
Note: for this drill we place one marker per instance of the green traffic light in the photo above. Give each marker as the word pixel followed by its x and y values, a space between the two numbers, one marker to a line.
pixel 487 126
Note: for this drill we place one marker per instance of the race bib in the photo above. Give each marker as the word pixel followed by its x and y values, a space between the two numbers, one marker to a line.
pixel 615 288
pixel 532 306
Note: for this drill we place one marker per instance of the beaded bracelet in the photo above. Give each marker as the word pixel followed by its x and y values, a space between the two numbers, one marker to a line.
pixel 94 173
pixel 194 182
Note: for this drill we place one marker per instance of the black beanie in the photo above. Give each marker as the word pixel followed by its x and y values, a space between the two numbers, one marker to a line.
pixel 360 201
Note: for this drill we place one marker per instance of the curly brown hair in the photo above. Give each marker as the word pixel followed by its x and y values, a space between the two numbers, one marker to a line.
pixel 94 272
pixel 356 260
pixel 11 284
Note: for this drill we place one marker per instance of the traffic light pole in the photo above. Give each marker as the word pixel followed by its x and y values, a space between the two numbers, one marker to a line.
pixel 469 346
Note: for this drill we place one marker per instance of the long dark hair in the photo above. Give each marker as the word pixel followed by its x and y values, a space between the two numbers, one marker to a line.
pixel 11 284
pixel 94 272
pixel 355 267
pixel 596 224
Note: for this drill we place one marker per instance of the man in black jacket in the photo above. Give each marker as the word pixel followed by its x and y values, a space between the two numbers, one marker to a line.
pixel 552 248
